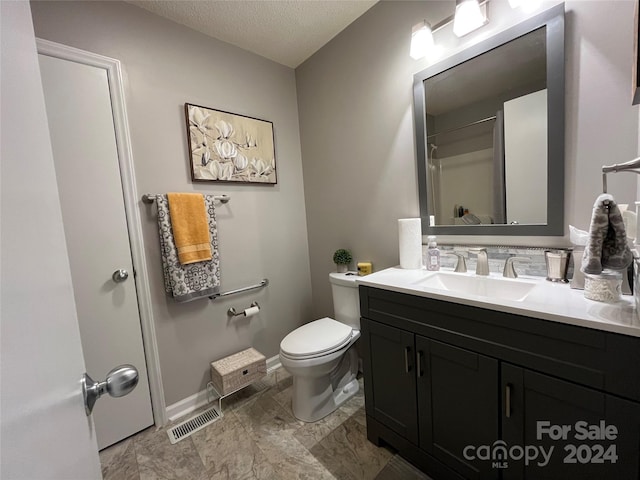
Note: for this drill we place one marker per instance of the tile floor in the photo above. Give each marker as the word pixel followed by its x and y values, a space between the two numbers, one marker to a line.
pixel 259 438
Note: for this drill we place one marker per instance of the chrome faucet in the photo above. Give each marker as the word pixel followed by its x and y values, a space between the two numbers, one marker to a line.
pixel 509 270
pixel 461 264
pixel 482 267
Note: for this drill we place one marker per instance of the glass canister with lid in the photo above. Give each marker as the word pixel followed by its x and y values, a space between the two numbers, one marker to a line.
pixel 606 287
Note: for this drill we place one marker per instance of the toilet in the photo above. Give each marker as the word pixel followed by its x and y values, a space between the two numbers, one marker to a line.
pixel 320 355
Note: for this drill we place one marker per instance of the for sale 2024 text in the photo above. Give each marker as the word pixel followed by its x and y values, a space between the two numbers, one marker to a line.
pixel 586 452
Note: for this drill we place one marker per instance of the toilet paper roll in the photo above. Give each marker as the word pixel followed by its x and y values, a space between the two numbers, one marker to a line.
pixel 251 311
pixel 410 243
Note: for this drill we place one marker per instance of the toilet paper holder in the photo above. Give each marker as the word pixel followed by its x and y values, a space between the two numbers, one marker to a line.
pixel 232 312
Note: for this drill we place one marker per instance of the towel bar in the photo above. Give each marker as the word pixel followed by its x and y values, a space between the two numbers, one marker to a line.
pixel 630 166
pixel 149 198
pixel 263 283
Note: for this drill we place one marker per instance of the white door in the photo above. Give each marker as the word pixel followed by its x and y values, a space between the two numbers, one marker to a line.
pixel 85 154
pixel 45 432
pixel 525 166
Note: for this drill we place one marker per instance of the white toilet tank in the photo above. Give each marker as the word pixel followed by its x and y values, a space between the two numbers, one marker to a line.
pixel 346 301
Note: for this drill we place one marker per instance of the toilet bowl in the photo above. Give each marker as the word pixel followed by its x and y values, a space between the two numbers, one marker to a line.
pixel 320 355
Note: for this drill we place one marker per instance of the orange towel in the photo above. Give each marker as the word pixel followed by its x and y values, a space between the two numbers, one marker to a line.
pixel 190 227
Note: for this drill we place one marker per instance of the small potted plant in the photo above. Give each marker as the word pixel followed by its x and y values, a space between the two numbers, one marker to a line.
pixel 342 258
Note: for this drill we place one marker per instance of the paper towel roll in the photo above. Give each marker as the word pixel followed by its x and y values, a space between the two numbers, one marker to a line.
pixel 251 311
pixel 410 243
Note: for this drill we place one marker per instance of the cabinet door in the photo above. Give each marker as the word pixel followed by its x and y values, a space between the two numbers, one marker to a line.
pixel 457 405
pixel 390 375
pixel 531 398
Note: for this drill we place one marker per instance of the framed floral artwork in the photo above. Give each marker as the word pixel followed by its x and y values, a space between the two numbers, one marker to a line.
pixel 226 147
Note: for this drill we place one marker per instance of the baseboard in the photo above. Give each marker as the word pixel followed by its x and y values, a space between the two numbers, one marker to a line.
pixel 273 363
pixel 197 400
pixel 186 405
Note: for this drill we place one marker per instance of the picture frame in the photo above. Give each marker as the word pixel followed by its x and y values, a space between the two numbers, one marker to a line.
pixel 228 147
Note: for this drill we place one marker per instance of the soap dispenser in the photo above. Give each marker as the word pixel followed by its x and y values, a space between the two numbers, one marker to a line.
pixel 433 254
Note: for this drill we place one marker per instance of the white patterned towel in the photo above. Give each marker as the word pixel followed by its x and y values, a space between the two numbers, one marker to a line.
pixel 607 245
pixel 195 280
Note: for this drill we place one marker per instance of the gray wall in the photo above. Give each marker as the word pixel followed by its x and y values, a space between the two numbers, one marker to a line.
pixel 356 125
pixel 262 231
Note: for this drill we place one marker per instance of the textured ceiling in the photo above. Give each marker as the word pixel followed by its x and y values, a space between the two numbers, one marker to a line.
pixel 285 31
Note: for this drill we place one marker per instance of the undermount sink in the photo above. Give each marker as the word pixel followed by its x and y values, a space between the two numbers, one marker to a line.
pixel 491 287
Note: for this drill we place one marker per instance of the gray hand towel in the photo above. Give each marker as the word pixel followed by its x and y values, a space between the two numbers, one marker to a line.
pixel 195 280
pixel 607 244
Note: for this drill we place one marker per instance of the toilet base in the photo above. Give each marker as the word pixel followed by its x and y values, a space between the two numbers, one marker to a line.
pixel 348 391
pixel 308 412
pixel 313 398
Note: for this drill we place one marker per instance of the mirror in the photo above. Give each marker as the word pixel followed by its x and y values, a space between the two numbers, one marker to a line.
pixel 490 134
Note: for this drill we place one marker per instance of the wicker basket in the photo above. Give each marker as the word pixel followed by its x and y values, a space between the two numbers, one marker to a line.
pixel 238 370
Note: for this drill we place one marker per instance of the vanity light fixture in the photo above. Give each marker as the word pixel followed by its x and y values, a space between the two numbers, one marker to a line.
pixel 421 40
pixel 469 16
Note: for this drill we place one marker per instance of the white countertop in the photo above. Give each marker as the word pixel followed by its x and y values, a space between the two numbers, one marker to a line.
pixel 556 302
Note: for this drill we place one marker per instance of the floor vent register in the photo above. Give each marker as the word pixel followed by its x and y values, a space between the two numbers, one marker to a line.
pixel 198 422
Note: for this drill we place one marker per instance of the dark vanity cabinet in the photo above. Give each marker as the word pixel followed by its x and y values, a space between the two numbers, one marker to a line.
pixel 535 396
pixel 469 393
pixel 456 403
pixel 435 395
pixel 394 365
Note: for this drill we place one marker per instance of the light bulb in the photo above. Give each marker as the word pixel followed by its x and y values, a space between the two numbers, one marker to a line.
pixel 421 40
pixel 468 17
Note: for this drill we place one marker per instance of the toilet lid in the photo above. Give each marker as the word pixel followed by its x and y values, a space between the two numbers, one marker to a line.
pixel 315 338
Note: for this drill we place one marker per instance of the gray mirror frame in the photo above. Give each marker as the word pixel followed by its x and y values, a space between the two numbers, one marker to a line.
pixel 553 20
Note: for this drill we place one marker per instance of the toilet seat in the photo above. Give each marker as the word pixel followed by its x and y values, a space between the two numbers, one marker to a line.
pixel 318 338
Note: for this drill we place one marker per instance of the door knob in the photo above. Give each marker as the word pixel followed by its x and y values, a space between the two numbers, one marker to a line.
pixel 120 381
pixel 120 275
